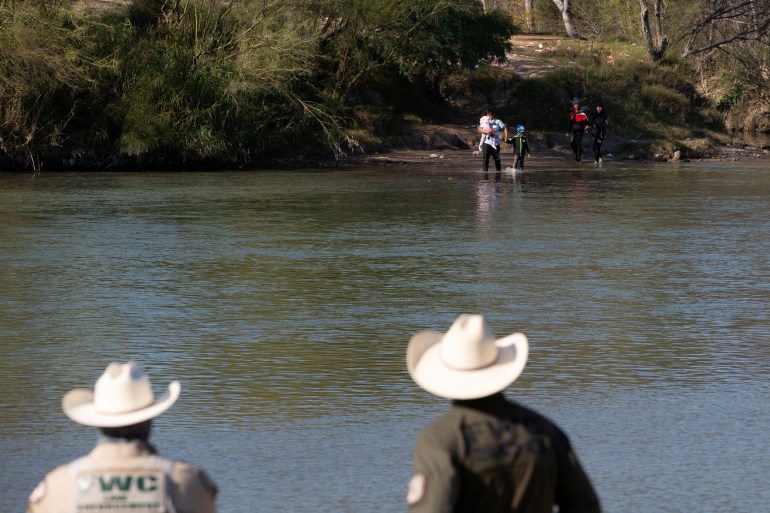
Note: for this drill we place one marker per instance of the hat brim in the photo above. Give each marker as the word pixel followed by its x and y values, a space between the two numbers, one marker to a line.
pixel 424 363
pixel 78 405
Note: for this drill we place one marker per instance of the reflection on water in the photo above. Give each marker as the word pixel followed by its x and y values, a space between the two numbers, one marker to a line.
pixel 283 301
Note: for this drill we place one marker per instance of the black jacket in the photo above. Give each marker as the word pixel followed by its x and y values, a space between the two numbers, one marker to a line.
pixel 520 144
pixel 492 455
pixel 598 123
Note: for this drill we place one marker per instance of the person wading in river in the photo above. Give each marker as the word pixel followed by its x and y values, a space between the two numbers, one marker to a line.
pixel 578 125
pixel 598 123
pixel 520 144
pixel 491 137
pixel 124 472
pixel 487 454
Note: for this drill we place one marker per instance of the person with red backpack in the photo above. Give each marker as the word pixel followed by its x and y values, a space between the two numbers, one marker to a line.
pixel 578 125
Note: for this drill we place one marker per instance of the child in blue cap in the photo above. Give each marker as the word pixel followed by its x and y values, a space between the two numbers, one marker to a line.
pixel 520 148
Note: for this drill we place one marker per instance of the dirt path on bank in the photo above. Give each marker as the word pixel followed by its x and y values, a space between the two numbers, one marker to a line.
pixel 523 58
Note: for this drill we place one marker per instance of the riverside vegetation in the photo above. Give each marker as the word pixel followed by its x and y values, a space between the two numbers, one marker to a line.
pixel 205 83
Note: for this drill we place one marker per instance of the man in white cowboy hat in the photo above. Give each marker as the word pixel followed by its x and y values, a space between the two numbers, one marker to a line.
pixel 487 454
pixel 123 473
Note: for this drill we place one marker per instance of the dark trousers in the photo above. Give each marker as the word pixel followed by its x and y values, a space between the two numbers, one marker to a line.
pixel 518 162
pixel 576 143
pixel 597 146
pixel 490 151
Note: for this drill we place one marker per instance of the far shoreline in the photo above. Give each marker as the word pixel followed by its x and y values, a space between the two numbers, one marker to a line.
pixel 445 146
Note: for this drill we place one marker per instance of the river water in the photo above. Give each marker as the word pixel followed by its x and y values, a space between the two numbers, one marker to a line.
pixel 283 301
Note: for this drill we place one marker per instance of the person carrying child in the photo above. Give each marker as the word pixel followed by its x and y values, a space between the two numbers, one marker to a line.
pixel 490 140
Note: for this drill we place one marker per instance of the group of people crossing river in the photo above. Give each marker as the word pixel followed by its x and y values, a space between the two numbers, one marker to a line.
pixel 492 128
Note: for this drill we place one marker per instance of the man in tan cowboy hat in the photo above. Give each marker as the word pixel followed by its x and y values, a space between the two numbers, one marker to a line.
pixel 123 473
pixel 487 454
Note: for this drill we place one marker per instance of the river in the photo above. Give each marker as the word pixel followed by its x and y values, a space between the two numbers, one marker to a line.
pixel 283 301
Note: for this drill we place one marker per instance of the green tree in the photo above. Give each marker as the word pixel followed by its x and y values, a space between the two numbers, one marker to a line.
pixel 366 38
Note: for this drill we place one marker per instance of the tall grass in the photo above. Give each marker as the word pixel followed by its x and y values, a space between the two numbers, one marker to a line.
pixel 43 77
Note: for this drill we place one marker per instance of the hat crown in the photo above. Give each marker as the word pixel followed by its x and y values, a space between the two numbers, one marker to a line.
pixel 468 345
pixel 122 388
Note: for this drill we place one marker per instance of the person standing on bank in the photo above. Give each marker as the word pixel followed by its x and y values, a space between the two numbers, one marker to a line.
pixel 578 124
pixel 598 123
pixel 520 144
pixel 123 472
pixel 487 453
pixel 491 142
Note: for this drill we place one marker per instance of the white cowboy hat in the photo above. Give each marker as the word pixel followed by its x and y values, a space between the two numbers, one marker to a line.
pixel 466 362
pixel 122 397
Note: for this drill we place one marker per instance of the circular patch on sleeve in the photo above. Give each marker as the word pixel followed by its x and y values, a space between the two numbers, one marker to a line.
pixel 416 489
pixel 38 493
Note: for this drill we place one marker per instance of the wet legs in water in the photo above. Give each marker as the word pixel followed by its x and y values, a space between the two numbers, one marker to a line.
pixel 518 162
pixel 576 143
pixel 490 151
pixel 597 146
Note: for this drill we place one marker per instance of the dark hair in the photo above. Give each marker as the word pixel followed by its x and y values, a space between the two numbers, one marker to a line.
pixel 139 431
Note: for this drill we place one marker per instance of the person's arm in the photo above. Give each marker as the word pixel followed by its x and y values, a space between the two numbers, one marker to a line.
pixel 192 490
pixel 574 492
pixel 435 481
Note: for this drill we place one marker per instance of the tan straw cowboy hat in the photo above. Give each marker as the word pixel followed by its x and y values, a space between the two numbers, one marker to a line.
pixel 466 362
pixel 122 397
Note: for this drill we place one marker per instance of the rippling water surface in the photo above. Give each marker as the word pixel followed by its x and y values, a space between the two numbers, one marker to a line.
pixel 283 301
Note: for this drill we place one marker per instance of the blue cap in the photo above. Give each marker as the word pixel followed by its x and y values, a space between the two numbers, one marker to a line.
pixel 520 128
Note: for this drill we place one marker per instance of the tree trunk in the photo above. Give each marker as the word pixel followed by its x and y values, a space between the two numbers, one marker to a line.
pixel 528 16
pixel 653 36
pixel 566 16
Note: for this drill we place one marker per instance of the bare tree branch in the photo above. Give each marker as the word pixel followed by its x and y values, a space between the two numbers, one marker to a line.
pixel 726 22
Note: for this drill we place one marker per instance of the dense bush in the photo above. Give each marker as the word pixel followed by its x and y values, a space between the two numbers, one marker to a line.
pixel 180 81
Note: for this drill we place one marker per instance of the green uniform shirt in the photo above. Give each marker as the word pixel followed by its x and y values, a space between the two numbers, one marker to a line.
pixel 492 455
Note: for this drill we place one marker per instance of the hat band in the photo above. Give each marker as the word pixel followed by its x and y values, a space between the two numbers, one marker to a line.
pixel 465 367
pixel 99 408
